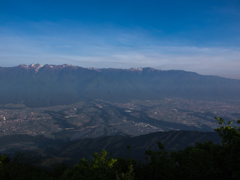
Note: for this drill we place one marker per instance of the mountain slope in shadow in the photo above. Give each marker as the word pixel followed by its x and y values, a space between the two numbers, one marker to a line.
pixel 49 85
pixel 51 151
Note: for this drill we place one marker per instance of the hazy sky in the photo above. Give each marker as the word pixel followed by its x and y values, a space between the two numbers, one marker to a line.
pixel 193 35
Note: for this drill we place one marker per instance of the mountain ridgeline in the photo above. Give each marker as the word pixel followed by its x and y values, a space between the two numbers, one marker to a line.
pixel 51 151
pixel 41 86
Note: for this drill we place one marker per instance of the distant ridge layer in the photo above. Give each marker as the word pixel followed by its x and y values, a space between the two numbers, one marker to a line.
pixel 38 86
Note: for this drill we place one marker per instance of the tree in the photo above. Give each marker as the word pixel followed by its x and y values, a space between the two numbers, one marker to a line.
pixel 230 147
pixel 159 165
pixel 211 161
pixel 200 161
pixel 100 167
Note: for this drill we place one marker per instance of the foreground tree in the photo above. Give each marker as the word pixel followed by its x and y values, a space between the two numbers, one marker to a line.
pixel 230 147
pixel 211 161
pixel 198 162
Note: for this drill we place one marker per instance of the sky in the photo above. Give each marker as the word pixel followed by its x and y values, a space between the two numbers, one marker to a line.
pixel 191 35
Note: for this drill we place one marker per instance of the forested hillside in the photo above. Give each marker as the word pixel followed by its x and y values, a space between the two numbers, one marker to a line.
pixel 54 151
pixel 200 161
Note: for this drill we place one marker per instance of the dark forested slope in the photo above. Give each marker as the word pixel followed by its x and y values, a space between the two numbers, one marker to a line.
pixel 172 140
pixel 198 161
pixel 53 151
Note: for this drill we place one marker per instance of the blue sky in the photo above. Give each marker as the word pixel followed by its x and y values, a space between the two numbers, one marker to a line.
pixel 192 35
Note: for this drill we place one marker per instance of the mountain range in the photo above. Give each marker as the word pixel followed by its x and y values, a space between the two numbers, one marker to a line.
pixel 42 86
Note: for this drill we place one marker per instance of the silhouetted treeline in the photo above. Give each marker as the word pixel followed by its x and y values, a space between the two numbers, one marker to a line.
pixel 201 161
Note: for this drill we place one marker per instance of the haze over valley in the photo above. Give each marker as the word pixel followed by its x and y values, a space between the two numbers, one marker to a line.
pixel 69 102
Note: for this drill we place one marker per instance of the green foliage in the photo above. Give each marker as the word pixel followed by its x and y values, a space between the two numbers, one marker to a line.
pixel 100 167
pixel 125 167
pixel 20 167
pixel 197 162
pixel 230 147
pixel 159 165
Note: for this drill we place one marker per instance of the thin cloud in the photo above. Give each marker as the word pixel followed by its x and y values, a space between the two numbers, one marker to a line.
pixel 112 47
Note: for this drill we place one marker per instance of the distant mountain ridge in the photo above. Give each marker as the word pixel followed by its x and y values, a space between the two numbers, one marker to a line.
pixel 47 85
